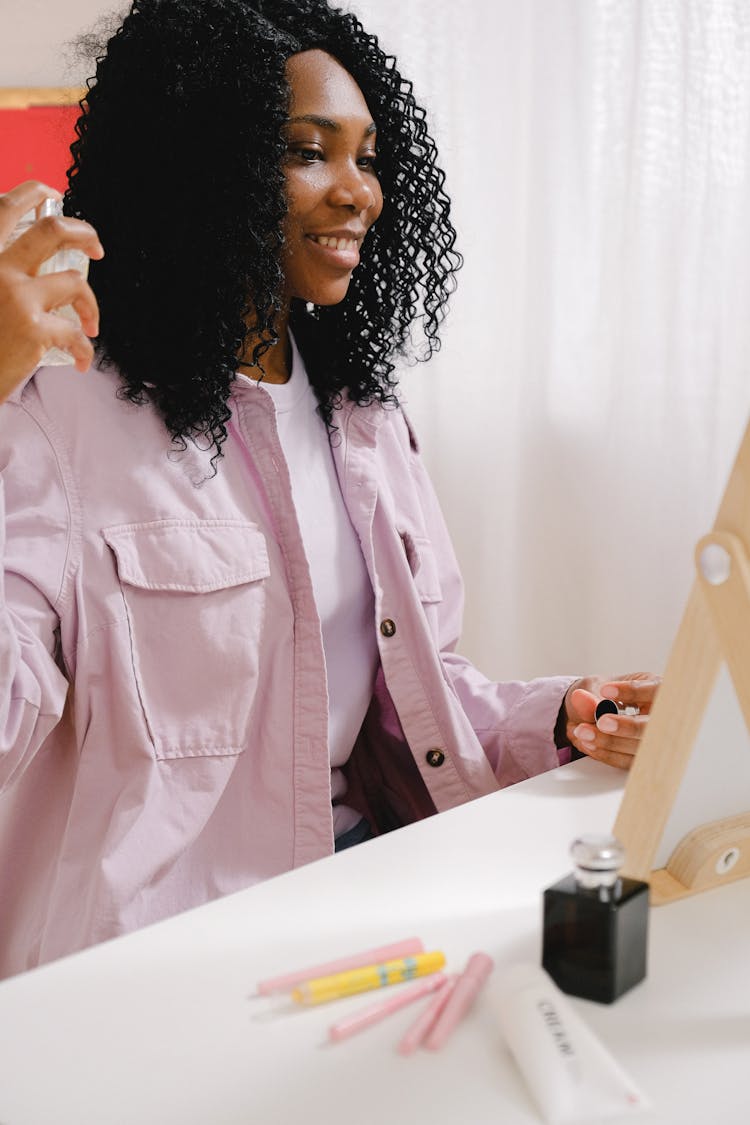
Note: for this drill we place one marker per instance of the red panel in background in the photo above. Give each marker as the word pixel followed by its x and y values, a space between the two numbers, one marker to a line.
pixel 35 144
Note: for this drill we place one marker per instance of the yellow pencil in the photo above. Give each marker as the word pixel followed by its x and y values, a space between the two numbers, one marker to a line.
pixel 322 989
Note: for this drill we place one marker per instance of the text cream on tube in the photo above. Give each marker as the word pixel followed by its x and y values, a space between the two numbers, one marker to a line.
pixel 571 1075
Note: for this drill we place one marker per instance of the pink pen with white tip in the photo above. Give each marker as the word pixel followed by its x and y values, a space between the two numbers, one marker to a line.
pixel 478 968
pixel 427 1019
pixel 405 948
pixel 366 1017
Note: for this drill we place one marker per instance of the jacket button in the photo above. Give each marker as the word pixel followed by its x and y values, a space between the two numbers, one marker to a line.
pixel 387 627
pixel 435 757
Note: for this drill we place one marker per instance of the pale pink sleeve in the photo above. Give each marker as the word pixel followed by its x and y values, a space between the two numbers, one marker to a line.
pixel 514 720
pixel 34 537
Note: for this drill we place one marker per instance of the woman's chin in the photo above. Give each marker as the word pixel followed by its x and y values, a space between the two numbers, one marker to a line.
pixel 326 295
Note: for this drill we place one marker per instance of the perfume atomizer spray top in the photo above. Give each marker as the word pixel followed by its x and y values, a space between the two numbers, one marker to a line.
pixel 598 860
pixel 596 924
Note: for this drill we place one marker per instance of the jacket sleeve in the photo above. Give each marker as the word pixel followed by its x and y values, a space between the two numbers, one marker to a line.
pixel 34 545
pixel 513 720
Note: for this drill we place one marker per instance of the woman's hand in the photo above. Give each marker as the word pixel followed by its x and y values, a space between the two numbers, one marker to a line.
pixel 615 738
pixel 28 326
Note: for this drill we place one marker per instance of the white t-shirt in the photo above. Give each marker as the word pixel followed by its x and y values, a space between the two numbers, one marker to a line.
pixel 341 584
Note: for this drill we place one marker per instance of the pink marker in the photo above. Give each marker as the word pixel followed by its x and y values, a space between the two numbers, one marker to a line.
pixel 377 1012
pixel 355 961
pixel 426 1020
pixel 478 968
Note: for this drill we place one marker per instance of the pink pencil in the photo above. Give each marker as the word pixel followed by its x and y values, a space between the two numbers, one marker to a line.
pixel 425 1021
pixel 366 1017
pixel 368 957
pixel 478 968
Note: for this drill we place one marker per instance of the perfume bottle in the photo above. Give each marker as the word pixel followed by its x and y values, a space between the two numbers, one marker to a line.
pixel 596 924
pixel 69 259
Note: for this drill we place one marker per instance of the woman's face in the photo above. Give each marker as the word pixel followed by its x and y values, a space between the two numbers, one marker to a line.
pixel 333 193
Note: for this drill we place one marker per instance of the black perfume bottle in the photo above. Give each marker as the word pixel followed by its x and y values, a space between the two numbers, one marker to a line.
pixel 596 924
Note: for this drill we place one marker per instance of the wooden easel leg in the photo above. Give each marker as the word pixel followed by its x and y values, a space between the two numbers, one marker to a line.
pixel 715 626
pixel 668 743
pixel 724 576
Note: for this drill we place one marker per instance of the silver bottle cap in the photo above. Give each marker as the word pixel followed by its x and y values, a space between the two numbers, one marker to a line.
pixel 598 860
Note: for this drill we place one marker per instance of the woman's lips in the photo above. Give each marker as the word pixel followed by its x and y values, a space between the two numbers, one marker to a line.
pixel 341 252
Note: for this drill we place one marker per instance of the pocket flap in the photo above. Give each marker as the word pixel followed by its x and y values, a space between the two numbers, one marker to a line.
pixel 192 556
pixel 424 567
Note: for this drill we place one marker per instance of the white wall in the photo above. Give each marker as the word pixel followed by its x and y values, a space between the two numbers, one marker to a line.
pixel 35 39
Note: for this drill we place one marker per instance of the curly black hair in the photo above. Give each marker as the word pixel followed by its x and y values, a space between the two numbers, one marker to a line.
pixel 178 163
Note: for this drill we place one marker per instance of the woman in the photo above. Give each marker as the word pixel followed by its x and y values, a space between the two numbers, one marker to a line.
pixel 233 600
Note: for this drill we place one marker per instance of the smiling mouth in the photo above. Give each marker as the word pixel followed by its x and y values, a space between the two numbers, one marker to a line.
pixel 335 243
pixel 340 253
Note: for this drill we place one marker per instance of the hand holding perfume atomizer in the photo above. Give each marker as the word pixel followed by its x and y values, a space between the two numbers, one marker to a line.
pixel 69 259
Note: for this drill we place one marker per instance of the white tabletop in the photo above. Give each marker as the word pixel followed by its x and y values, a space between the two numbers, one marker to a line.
pixel 162 1026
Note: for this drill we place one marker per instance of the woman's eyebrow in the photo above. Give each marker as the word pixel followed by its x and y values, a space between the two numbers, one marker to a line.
pixel 326 123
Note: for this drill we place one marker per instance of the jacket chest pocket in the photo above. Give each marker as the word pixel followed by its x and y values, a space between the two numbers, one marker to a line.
pixel 423 566
pixel 194 593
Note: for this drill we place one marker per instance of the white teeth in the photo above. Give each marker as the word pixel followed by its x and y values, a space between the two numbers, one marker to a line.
pixel 335 243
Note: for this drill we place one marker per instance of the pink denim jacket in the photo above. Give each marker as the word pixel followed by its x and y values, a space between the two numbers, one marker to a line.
pixel 163 705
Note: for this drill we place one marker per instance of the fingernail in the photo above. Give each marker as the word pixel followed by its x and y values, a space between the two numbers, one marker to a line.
pixel 584 734
pixel 608 724
pixel 610 691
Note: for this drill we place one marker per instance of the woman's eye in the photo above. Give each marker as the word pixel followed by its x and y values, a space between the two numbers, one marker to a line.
pixel 307 155
pixel 367 161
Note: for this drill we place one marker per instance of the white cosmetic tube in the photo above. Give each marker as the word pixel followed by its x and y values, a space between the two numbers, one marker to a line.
pixel 569 1072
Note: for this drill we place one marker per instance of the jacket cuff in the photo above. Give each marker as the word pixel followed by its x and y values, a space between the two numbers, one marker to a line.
pixel 533 722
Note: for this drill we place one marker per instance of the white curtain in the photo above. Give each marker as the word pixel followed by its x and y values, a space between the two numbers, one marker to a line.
pixel 594 382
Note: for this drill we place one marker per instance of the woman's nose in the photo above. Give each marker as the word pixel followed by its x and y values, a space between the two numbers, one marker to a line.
pixel 350 188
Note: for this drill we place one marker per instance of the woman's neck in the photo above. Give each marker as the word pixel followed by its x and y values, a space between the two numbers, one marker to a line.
pixel 275 365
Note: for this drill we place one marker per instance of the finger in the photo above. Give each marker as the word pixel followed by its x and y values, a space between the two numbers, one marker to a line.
pixel 69 288
pixel 63 334
pixel 54 232
pixel 582 704
pixel 634 692
pixel 20 199
pixel 623 726
pixel 609 757
pixel 590 738
pixel 88 311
